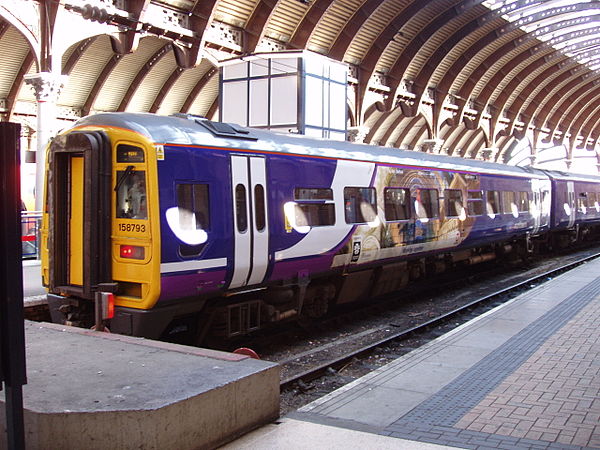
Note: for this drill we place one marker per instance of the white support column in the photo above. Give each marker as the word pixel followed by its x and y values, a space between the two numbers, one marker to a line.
pixel 46 86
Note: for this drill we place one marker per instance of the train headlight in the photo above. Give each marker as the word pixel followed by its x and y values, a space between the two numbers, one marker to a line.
pixel 131 252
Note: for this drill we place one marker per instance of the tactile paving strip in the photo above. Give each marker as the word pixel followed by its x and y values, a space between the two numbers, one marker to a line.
pixel 438 419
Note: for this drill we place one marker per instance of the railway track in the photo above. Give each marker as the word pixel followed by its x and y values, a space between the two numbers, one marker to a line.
pixel 298 371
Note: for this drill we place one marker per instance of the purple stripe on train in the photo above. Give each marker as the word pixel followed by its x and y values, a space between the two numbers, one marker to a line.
pixel 285 270
pixel 176 286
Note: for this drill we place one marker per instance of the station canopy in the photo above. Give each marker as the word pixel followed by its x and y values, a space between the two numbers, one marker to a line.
pixel 514 81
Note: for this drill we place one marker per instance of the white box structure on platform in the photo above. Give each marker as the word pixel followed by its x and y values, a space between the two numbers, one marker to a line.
pixel 297 91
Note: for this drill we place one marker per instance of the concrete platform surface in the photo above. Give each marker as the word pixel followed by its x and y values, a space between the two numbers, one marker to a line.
pixel 524 375
pixel 98 391
pixel 293 434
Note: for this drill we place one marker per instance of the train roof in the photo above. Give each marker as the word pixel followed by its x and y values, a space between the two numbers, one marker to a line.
pixel 193 130
pixel 570 176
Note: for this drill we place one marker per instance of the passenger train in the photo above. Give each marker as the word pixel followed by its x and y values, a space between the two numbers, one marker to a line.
pixel 204 228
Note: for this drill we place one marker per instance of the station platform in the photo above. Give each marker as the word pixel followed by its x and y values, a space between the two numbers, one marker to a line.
pixel 524 375
pixel 94 390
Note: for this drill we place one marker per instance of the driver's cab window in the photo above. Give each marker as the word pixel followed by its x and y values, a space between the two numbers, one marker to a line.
pixel 131 194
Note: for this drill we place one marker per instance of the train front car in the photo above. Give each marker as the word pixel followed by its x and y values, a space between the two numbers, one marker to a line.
pixel 100 223
pixel 207 229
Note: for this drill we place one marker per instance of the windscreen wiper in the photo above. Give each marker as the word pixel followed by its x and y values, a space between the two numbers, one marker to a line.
pixel 128 172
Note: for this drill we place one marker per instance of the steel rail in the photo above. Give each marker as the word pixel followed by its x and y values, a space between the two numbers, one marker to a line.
pixel 318 371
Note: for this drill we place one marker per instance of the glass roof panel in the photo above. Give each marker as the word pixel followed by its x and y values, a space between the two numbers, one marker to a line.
pixel 572 27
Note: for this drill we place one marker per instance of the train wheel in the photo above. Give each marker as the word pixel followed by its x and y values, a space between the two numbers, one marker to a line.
pixel 246 351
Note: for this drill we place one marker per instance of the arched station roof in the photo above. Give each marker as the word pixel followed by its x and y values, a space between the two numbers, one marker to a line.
pixel 486 79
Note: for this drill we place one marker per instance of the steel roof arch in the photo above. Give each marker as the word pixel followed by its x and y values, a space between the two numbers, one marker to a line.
pixel 576 117
pixel 402 64
pixel 510 69
pixel 393 120
pixel 578 91
pixel 309 23
pixel 8 17
pixel 344 38
pixel 411 124
pixel 376 133
pixel 427 72
pixel 582 125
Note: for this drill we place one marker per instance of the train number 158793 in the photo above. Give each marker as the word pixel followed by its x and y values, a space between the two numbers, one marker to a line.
pixel 132 227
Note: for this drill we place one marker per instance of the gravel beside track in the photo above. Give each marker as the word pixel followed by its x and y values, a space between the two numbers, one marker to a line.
pixel 317 344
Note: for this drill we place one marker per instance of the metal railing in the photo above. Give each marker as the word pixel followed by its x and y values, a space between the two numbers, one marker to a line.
pixel 31 223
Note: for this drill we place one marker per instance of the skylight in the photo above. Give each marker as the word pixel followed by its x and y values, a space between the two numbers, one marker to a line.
pixel 571 27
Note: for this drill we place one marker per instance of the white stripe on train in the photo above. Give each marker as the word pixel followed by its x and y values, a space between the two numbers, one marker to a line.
pixel 193 265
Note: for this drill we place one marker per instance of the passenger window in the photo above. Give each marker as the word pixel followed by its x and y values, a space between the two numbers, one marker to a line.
pixel 592 201
pixel 313 194
pixel 474 203
pixel 311 209
pixel 427 203
pixel 259 207
pixel 493 203
pixel 194 213
pixel 509 201
pixel 192 202
pixel 397 204
pixel 454 203
pixel 315 214
pixel 523 202
pixel 360 204
pixel 241 215
pixel 131 194
pixel 582 202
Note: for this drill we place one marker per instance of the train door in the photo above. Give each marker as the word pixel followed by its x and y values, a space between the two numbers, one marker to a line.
pixel 537 207
pixel 78 210
pixel 75 246
pixel 571 202
pixel 251 227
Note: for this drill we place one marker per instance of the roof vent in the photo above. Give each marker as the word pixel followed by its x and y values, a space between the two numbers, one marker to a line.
pixel 219 129
pixel 226 130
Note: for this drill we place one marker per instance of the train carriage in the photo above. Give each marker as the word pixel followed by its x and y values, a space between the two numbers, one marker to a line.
pixel 575 206
pixel 198 226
